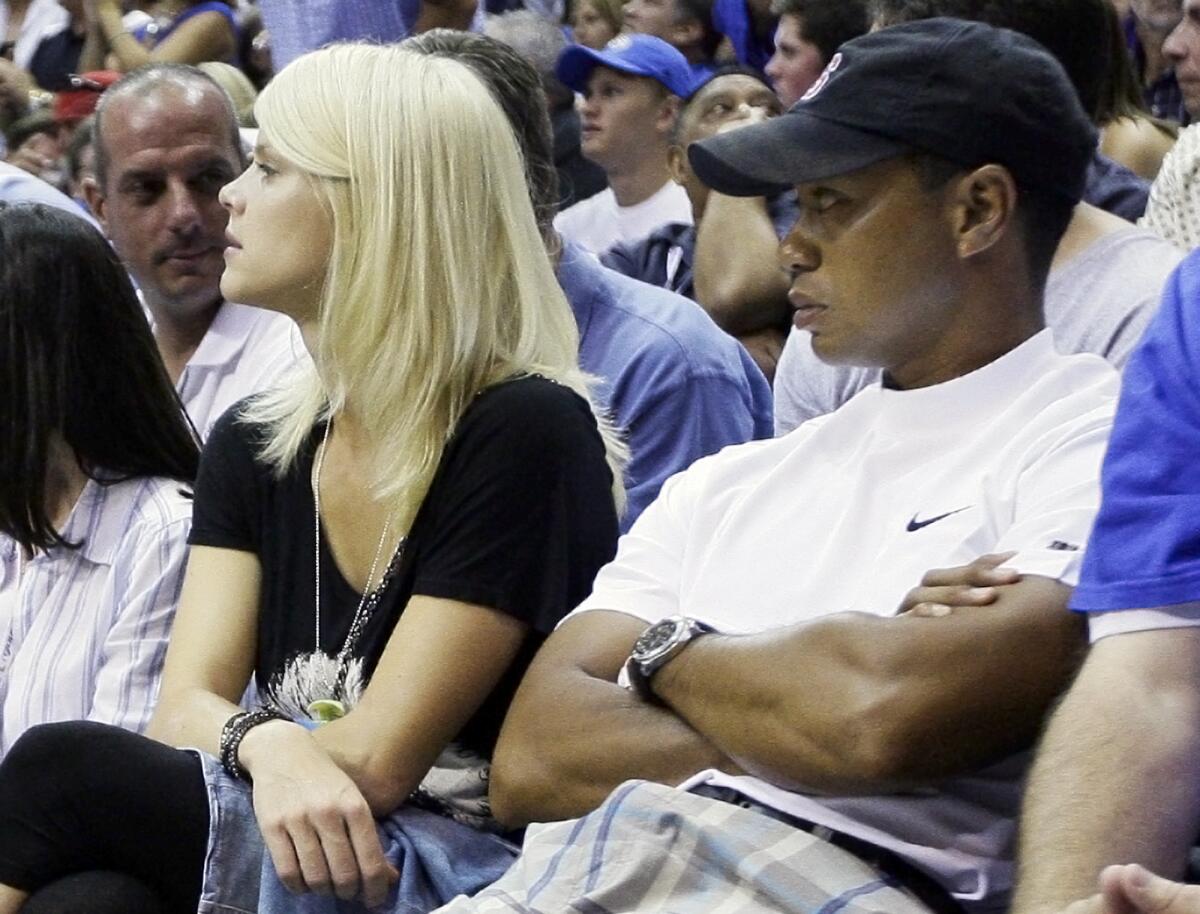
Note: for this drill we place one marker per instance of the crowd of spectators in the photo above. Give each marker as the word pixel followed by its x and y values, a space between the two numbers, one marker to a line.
pixel 599 455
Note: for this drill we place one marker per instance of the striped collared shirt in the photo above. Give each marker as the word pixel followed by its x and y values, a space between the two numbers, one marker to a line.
pixel 83 632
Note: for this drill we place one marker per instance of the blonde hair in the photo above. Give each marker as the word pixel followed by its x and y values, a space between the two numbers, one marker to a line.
pixel 438 283
pixel 237 86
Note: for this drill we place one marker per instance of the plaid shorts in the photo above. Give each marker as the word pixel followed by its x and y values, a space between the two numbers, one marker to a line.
pixel 651 848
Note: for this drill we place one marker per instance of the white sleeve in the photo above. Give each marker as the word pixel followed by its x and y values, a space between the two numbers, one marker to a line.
pixel 1058 495
pixel 645 577
pixel 147 575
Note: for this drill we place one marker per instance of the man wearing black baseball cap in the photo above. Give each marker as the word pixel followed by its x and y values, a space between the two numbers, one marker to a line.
pixel 743 704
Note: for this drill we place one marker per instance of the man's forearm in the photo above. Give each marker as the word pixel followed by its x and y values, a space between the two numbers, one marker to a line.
pixel 736 272
pixel 572 734
pixel 859 703
pixel 1116 777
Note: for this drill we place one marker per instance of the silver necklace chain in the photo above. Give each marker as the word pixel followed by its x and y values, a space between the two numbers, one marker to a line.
pixel 370 598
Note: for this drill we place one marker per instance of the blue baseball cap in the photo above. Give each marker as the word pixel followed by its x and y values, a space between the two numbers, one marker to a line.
pixel 637 55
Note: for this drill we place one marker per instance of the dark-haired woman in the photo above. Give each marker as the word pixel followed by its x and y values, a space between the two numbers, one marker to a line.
pixel 95 454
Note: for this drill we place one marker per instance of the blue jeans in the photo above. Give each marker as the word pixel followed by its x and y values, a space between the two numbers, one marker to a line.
pixel 437 857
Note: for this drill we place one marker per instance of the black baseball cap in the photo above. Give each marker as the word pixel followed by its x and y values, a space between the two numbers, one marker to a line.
pixel 964 91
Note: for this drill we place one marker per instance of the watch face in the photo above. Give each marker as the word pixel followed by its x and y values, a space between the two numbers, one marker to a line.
pixel 656 638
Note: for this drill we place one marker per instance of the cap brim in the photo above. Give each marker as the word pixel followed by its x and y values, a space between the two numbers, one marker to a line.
pixel 794 148
pixel 576 63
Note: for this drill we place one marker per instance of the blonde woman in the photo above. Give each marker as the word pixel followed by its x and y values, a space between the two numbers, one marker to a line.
pixel 381 546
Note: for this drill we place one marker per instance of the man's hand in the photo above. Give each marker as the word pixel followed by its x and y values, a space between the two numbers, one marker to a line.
pixel 976 584
pixel 1132 889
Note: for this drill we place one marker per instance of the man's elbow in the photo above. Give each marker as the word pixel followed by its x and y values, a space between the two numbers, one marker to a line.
pixel 522 787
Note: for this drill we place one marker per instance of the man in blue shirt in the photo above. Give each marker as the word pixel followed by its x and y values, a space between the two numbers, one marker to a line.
pixel 1116 778
pixel 679 387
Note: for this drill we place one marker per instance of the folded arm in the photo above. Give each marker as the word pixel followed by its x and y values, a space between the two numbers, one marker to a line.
pixel 855 703
pixel 572 734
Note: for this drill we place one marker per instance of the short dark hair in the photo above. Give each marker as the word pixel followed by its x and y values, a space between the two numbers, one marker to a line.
pixel 827 23
pixel 701 11
pixel 144 81
pixel 517 88
pixel 1042 217
pixel 77 360
pixel 1076 32
pixel 729 69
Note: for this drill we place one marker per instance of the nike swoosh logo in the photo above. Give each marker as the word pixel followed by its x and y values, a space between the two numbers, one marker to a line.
pixel 915 524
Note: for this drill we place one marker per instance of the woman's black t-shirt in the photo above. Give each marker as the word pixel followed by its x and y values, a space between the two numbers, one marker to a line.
pixel 519 518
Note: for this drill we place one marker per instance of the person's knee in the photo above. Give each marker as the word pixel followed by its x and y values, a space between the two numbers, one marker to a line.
pixel 95 892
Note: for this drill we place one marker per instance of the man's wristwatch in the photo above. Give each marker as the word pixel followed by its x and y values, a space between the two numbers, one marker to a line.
pixel 658 644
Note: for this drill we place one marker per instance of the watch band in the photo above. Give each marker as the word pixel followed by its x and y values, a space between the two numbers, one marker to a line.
pixel 655 647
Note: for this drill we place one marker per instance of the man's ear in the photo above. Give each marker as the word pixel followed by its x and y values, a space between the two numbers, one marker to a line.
pixel 677 163
pixel 96 201
pixel 984 205
pixel 667 115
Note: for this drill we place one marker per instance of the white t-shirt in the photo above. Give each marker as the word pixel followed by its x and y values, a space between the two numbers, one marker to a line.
pixel 43 19
pixel 245 351
pixel 847 513
pixel 598 223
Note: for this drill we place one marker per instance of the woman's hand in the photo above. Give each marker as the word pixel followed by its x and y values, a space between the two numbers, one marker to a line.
pixel 314 821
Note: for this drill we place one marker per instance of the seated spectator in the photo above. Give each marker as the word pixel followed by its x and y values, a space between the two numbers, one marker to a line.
pixel 1104 284
pixel 1147 25
pixel 686 25
pixel 442 459
pixel 23 25
pixel 748 31
pixel 809 33
pixel 36 143
pixel 1130 134
pixel 631 94
pixel 594 23
pixel 93 508
pixel 540 41
pixel 726 259
pixel 1114 781
pixel 297 28
pixel 831 752
pixel 166 139
pixel 1173 210
pixel 57 55
pixel 199 30
pixel 677 387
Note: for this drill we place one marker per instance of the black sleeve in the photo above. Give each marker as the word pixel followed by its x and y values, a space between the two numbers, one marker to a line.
pixel 521 515
pixel 228 496
pixel 622 257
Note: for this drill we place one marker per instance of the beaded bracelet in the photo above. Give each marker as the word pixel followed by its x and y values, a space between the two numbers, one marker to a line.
pixel 234 732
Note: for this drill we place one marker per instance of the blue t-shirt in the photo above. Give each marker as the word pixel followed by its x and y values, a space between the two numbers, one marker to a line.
pixel 300 26
pixel 679 386
pixel 1144 551
pixel 732 19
